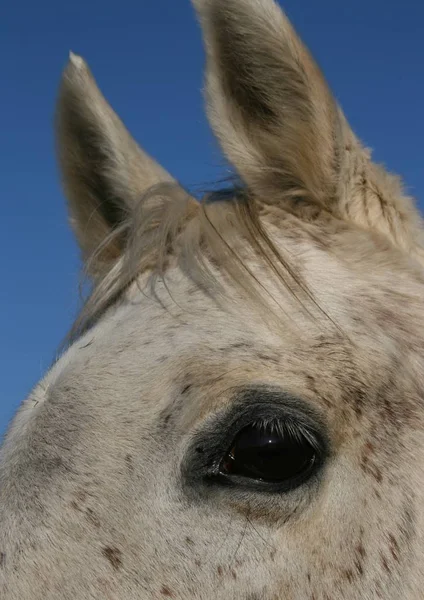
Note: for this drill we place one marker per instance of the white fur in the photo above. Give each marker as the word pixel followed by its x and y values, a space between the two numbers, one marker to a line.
pixel 96 497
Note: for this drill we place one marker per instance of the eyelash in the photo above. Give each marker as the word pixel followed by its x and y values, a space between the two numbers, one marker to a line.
pixel 287 426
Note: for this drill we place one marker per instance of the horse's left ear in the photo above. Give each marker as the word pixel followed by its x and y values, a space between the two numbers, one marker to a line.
pixel 104 171
pixel 281 128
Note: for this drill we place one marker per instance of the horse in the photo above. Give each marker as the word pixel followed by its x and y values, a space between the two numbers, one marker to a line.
pixel 238 411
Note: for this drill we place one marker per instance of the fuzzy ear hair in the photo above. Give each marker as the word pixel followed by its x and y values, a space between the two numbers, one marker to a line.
pixel 281 128
pixel 104 171
pixel 267 100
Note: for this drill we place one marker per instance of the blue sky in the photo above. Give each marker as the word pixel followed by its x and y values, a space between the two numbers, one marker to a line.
pixel 147 58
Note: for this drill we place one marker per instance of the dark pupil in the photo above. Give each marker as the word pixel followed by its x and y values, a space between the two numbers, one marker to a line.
pixel 269 454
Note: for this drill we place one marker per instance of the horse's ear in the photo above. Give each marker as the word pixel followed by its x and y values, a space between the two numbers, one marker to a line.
pixel 103 169
pixel 280 126
pixel 267 101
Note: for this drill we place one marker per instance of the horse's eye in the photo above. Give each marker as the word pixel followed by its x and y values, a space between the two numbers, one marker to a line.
pixel 275 453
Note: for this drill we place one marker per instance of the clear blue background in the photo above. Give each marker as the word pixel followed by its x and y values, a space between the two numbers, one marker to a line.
pixel 147 57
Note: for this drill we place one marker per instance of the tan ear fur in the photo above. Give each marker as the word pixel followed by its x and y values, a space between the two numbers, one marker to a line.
pixel 281 128
pixel 104 171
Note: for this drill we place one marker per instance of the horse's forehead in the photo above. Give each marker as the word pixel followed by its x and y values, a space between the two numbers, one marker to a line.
pixel 180 320
pixel 180 315
pixel 188 334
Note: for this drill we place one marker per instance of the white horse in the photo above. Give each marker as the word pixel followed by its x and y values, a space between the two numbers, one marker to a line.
pixel 239 413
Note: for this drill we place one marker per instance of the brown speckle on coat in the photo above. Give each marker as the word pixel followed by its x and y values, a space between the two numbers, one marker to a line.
pixel 114 556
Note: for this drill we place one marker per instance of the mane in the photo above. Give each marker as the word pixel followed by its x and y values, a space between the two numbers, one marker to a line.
pixel 169 227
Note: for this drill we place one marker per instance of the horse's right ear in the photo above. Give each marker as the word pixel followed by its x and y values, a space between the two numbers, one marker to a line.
pixel 281 128
pixel 103 169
